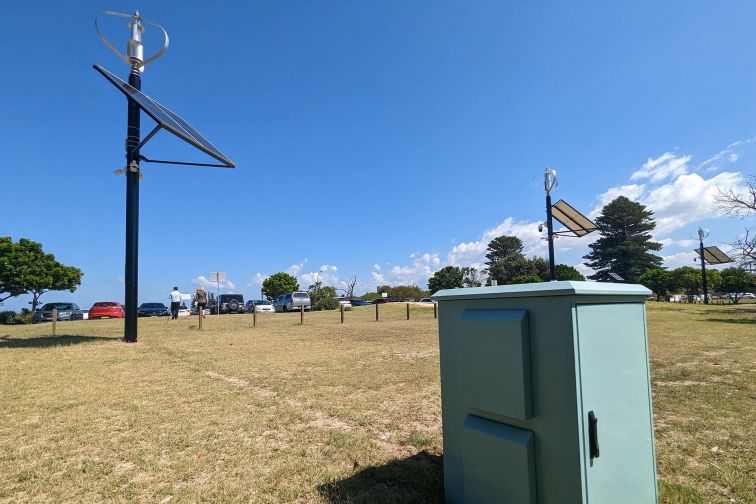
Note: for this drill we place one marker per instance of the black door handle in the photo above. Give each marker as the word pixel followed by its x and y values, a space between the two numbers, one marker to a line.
pixel 593 444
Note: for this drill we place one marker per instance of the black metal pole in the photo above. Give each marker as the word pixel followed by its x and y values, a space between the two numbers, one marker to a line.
pixel 132 214
pixel 703 274
pixel 550 227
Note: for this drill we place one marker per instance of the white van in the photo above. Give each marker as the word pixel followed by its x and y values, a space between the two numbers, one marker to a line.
pixel 292 302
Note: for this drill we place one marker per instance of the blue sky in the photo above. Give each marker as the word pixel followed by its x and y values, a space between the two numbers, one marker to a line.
pixel 377 139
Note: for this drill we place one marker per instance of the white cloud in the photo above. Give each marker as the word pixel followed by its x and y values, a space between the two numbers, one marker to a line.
pixel 665 166
pixel 673 261
pixel 378 278
pixel 203 281
pixel 377 267
pixel 632 191
pixel 258 279
pixel 294 269
pixel 689 198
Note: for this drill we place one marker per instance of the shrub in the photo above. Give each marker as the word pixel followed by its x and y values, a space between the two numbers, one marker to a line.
pixel 10 317
pixel 328 303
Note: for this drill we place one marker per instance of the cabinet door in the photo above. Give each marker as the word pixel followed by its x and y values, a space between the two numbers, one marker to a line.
pixel 618 446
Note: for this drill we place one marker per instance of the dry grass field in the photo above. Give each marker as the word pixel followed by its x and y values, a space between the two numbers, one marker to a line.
pixel 321 412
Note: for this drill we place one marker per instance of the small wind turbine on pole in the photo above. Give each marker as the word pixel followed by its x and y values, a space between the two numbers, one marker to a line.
pixel 165 119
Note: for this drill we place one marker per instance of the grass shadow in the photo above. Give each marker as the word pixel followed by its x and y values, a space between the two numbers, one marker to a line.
pixel 733 320
pixel 419 478
pixel 49 341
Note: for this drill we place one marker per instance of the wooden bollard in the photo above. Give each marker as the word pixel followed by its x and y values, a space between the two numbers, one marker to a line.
pixel 54 320
pixel 407 311
pixel 254 316
pixel 376 311
pixel 342 312
pixel 301 314
pixel 435 310
pixel 200 314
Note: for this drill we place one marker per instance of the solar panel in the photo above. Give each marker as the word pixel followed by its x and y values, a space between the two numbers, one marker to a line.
pixel 576 222
pixel 713 255
pixel 167 119
pixel 616 277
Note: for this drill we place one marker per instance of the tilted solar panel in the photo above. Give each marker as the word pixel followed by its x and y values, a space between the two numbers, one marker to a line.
pixel 167 119
pixel 572 219
pixel 714 255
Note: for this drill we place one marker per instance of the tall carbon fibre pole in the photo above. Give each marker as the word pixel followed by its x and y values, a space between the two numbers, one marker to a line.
pixel 131 274
pixel 702 233
pixel 549 183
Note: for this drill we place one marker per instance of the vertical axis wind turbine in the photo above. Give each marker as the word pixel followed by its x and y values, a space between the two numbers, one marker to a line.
pixel 165 119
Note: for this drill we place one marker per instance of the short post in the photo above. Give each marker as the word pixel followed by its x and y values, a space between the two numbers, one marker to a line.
pixel 200 314
pixel 342 312
pixel 435 310
pixel 407 311
pixel 376 311
pixel 254 316
pixel 301 314
pixel 54 320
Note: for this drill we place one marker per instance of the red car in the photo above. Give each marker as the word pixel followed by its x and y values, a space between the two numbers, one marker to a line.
pixel 109 309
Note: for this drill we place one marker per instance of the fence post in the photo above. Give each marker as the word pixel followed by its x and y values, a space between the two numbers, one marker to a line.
pixel 54 320
pixel 254 316
pixel 407 311
pixel 376 311
pixel 342 312
pixel 200 314
pixel 301 314
pixel 435 310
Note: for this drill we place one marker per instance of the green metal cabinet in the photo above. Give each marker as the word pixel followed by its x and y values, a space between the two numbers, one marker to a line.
pixel 545 394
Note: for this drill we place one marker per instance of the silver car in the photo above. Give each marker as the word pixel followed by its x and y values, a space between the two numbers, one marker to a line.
pixel 292 302
pixel 66 311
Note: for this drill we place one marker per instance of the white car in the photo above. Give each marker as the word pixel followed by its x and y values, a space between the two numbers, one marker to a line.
pixel 184 311
pixel 426 302
pixel 345 303
pixel 261 306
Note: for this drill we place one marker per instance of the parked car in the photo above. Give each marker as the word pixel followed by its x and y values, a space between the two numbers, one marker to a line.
pixel 106 309
pixel 427 301
pixel 292 302
pixel 360 302
pixel 384 300
pixel 259 305
pixel 346 303
pixel 183 311
pixel 66 311
pixel 153 310
pixel 231 303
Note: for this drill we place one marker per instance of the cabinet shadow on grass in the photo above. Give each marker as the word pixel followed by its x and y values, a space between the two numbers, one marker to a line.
pixel 415 479
pixel 49 341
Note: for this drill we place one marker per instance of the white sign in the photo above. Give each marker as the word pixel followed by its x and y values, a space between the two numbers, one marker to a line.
pixel 217 276
pixel 384 294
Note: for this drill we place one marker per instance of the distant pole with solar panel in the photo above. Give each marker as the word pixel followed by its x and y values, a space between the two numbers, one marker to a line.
pixel 712 255
pixel 165 119
pixel 576 223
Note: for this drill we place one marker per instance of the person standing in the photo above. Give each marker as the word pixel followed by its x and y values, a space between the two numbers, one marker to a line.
pixel 175 303
pixel 200 299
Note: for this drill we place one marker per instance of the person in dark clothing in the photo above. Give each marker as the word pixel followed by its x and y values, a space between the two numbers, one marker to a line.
pixel 200 299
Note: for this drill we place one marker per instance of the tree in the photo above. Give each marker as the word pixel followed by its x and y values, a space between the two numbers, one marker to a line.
pixel 472 277
pixel 658 280
pixel 741 202
pixel 449 277
pixel 504 271
pixel 530 278
pixel 502 247
pixel 26 269
pixel 625 243
pixel 279 283
pixel 687 279
pixel 349 287
pixel 735 282
pixel 565 272
pixel 406 292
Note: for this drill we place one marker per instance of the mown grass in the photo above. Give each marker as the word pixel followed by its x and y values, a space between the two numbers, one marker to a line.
pixel 322 412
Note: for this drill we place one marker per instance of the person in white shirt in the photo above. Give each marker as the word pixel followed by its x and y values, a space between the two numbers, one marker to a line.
pixel 175 303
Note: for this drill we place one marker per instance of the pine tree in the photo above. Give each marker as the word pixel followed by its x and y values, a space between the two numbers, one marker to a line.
pixel 625 245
